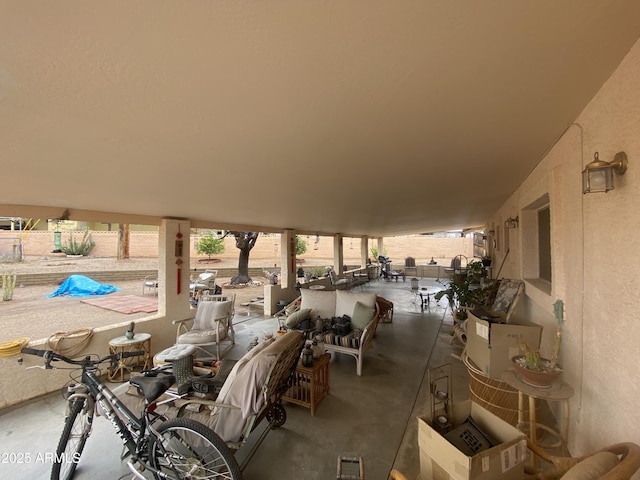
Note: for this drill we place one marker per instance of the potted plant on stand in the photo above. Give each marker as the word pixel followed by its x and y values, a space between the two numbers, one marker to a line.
pixel 535 370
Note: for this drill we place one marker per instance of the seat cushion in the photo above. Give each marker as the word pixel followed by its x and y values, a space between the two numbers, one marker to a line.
pixel 198 337
pixel 175 352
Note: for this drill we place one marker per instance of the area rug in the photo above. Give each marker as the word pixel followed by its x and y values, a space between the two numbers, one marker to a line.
pixel 125 303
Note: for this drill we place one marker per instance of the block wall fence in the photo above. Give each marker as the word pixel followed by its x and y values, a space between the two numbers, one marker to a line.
pixel 144 244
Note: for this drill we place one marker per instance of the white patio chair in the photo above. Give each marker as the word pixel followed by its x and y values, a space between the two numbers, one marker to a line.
pixel 212 326
pixel 150 284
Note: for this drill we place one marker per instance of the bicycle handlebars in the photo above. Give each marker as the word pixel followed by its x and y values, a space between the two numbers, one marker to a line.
pixel 50 356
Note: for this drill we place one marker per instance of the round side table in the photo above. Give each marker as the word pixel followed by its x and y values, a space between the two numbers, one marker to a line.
pixel 140 342
pixel 559 391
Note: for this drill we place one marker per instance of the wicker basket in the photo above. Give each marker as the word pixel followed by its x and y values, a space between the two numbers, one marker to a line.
pixel 493 394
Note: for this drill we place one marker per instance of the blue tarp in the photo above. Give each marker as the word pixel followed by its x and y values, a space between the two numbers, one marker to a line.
pixel 79 286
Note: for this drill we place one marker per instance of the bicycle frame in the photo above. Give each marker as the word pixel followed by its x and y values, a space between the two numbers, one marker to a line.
pixel 100 393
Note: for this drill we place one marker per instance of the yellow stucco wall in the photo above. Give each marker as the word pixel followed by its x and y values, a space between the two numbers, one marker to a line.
pixel 595 244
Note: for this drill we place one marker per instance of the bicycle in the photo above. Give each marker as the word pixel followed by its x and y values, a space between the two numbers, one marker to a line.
pixel 176 449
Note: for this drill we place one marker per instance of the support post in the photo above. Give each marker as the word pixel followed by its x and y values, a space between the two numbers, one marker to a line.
pixel 338 253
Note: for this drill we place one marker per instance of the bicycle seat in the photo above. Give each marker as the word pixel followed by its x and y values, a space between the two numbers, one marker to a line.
pixel 151 387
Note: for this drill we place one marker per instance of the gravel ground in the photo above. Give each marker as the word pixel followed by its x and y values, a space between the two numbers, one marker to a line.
pixel 30 314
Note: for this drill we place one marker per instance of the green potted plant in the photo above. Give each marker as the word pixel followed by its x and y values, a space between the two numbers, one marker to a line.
pixel 73 248
pixel 464 290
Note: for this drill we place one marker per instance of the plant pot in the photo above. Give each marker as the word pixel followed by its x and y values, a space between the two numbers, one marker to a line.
pixel 535 378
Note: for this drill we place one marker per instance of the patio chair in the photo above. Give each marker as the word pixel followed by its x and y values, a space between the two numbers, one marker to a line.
pixel 150 284
pixel 340 283
pixel 410 266
pixel 212 326
pixel 204 281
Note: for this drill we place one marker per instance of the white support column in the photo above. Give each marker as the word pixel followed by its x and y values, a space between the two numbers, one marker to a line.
pixel 288 259
pixel 173 276
pixel 364 251
pixel 380 246
pixel 338 253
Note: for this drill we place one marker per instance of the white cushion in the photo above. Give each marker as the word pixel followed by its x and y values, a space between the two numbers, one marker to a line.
pixel 240 365
pixel 244 390
pixel 175 352
pixel 198 337
pixel 321 303
pixel 346 301
pixel 209 312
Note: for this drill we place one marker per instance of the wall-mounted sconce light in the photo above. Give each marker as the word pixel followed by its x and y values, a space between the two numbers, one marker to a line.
pixel 597 176
pixel 512 222
pixel 491 232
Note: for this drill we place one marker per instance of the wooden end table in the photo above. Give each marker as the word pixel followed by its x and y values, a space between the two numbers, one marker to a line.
pixel 140 342
pixel 310 384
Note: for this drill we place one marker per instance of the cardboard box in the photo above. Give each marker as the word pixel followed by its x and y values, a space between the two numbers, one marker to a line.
pixel 491 345
pixel 441 460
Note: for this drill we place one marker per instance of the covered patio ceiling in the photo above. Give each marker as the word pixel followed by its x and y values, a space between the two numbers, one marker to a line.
pixel 358 117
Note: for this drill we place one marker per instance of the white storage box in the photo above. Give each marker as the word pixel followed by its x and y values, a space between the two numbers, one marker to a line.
pixel 491 345
pixel 441 460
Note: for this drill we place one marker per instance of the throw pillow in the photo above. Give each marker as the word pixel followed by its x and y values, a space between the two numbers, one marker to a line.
pixel 593 467
pixel 362 315
pixel 298 317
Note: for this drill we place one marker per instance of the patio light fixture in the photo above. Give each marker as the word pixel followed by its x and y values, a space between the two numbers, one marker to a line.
pixel 597 176
pixel 512 222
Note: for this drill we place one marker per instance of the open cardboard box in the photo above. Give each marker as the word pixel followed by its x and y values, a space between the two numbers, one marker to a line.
pixel 490 345
pixel 441 460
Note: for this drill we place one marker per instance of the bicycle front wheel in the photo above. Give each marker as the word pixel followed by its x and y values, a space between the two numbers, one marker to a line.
pixel 188 449
pixel 77 428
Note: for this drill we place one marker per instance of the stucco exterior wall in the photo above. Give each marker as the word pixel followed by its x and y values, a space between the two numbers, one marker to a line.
pixel 594 247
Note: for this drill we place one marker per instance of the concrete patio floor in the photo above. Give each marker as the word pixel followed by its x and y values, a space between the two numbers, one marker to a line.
pixel 373 416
